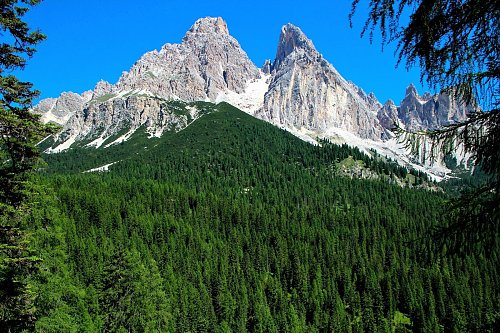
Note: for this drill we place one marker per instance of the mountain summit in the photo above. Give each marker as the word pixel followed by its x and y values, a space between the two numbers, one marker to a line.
pixel 208 62
pixel 299 91
pixel 292 39
pixel 208 65
pixel 430 112
pixel 210 25
pixel 307 94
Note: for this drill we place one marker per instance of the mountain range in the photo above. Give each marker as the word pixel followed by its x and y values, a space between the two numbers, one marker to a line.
pixel 299 91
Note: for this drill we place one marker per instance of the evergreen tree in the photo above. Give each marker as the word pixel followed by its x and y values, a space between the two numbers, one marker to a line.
pixel 456 44
pixel 131 295
pixel 20 130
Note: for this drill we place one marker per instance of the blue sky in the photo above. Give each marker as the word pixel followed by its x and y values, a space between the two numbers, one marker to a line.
pixel 98 39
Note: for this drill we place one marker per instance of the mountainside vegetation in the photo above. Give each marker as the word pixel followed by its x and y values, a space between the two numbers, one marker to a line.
pixel 456 45
pixel 20 130
pixel 233 225
pixel 228 225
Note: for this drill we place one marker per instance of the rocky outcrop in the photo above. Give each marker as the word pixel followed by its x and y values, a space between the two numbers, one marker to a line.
pixel 99 121
pixel 102 88
pixel 430 112
pixel 388 115
pixel 305 91
pixel 207 63
pixel 300 91
pixel 266 68
pixel 60 110
pixel 370 99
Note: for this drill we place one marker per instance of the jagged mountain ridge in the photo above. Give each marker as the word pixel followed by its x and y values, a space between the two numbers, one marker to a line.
pixel 305 91
pixel 208 64
pixel 299 91
pixel 430 112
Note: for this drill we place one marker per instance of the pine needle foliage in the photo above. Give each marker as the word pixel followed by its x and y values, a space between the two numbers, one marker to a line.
pixel 456 45
pixel 20 130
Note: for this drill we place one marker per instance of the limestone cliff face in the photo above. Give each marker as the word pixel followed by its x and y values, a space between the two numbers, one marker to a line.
pixel 60 110
pixel 299 90
pixel 99 121
pixel 102 88
pixel 305 91
pixel 387 115
pixel 208 62
pixel 430 112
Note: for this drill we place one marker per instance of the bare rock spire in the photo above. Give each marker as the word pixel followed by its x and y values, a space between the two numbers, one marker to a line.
pixel 306 92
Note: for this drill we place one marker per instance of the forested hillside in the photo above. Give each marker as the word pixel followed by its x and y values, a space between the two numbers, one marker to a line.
pixel 232 225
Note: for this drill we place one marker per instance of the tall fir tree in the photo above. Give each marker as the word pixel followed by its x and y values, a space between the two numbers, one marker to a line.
pixel 20 130
pixel 456 45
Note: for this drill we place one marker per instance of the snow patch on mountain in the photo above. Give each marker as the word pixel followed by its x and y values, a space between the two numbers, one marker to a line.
pixel 62 146
pixel 51 117
pixel 251 99
pixel 101 168
pixel 97 142
pixel 300 92
pixel 122 138
pixel 389 149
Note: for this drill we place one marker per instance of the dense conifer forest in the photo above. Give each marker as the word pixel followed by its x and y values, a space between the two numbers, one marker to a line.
pixel 233 225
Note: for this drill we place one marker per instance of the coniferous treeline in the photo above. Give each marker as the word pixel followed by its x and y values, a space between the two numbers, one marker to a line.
pixel 232 225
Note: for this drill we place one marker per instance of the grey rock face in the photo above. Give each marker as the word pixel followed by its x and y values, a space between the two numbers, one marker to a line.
pixel 59 110
pixel 370 99
pixel 115 120
pixel 102 88
pixel 387 115
pixel 305 91
pixel 266 68
pixel 206 63
pixel 430 112
pixel 102 120
pixel 292 39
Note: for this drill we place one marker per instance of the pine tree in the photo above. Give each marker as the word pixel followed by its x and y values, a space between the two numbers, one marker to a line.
pixel 20 130
pixel 456 44
pixel 131 296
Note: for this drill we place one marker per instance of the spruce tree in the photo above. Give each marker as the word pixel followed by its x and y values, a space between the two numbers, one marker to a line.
pixel 20 130
pixel 456 45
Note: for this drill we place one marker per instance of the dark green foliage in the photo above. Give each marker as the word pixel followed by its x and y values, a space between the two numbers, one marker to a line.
pixel 234 225
pixel 131 295
pixel 20 130
pixel 17 262
pixel 62 304
pixel 473 222
pixel 456 44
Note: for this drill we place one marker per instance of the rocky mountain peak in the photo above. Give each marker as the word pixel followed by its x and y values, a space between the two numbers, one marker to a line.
pixel 389 103
pixel 307 94
pixel 292 39
pixel 210 25
pixel 370 99
pixel 266 67
pixel 59 110
pixel 206 65
pixel 431 112
pixel 102 88
pixel 411 90
pixel 426 96
pixel 388 114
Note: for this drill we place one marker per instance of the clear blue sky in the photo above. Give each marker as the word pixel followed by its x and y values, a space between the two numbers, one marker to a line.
pixel 98 39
